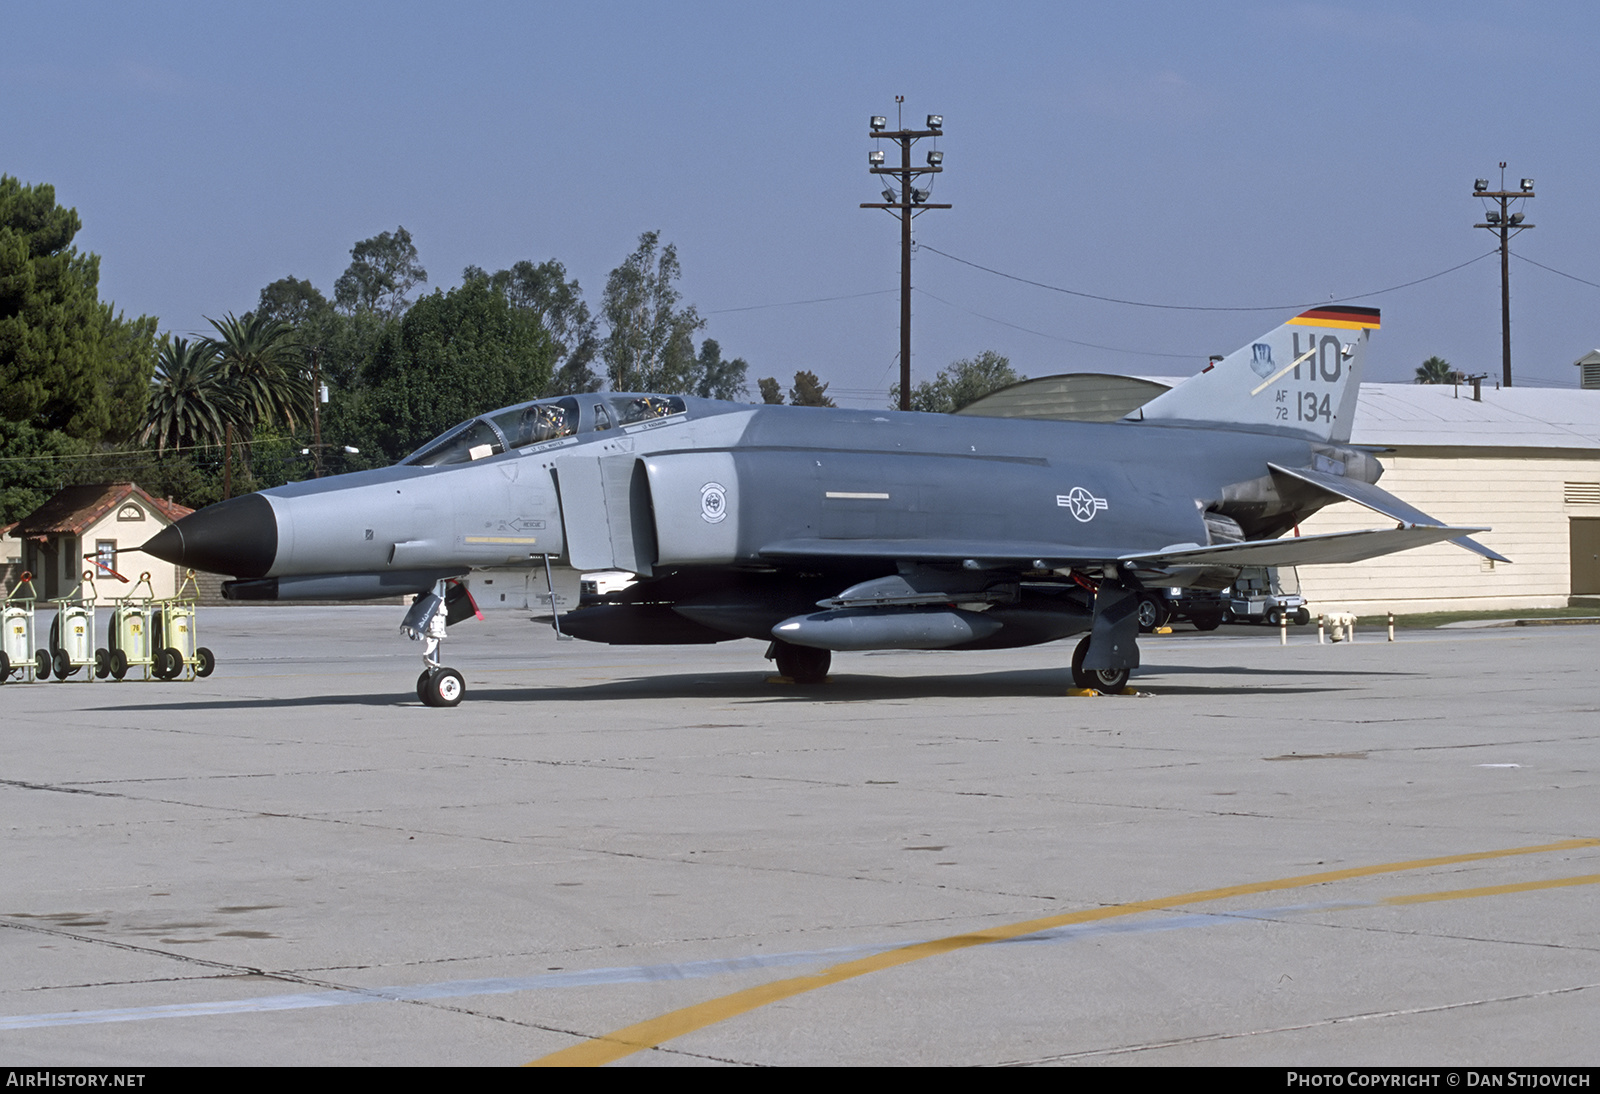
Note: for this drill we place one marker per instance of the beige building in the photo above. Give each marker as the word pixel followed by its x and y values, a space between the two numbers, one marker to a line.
pixel 93 528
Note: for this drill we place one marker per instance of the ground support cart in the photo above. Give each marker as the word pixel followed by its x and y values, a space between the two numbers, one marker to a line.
pixel 174 636
pixel 20 658
pixel 72 634
pixel 131 641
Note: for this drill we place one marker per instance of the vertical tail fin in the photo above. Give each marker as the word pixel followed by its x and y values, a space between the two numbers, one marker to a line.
pixel 1302 378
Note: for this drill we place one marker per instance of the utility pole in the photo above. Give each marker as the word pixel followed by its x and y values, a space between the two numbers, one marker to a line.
pixel 1506 224
pixel 906 204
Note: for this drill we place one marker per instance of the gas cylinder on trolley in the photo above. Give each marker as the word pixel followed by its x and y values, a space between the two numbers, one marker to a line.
pixel 131 641
pixel 72 634
pixel 20 658
pixel 174 635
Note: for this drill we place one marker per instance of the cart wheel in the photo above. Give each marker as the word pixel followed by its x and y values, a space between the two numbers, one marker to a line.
pixel 169 662
pixel 63 668
pixel 41 665
pixel 5 667
pixel 442 688
pixel 119 664
pixel 102 664
pixel 205 661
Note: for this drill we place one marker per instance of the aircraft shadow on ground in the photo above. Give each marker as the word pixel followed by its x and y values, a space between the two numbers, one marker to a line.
pixel 840 688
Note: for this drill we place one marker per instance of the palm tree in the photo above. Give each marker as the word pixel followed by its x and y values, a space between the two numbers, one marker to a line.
pixel 192 400
pixel 1435 370
pixel 263 363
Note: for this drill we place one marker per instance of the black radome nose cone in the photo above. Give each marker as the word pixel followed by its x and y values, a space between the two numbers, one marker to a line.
pixel 238 537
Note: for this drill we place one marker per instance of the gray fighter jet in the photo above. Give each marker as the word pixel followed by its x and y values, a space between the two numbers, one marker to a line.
pixel 830 529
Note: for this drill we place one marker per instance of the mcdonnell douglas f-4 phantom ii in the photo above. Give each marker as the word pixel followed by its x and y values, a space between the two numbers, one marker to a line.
pixel 827 530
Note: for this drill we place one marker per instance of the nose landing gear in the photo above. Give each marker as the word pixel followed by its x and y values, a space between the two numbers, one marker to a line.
pixel 427 621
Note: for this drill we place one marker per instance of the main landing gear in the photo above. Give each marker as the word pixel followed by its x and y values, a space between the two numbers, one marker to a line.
pixel 802 664
pixel 1109 681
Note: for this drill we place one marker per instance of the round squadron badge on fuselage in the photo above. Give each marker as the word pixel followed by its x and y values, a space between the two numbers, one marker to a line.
pixel 713 503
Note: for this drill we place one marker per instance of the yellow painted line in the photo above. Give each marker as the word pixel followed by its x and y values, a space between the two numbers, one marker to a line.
pixel 648 1034
pixel 1494 890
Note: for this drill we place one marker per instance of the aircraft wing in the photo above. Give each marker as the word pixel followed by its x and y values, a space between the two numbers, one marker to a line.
pixel 1305 550
pixel 1379 501
pixel 989 552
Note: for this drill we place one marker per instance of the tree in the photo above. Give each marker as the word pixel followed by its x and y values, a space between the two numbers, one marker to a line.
pixel 451 357
pixel 650 342
pixel 1436 370
pixel 960 385
pixel 382 272
pixel 291 301
pixel 67 361
pixel 716 378
pixel 558 303
pixel 261 362
pixel 192 400
pixel 809 391
pixel 771 390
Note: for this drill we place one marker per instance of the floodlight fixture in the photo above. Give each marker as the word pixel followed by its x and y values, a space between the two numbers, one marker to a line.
pixel 919 196
pixel 879 122
pixel 935 158
pixel 890 197
pixel 935 121
pixel 875 157
pixel 1480 185
pixel 1492 216
pixel 1527 186
pixel 1516 218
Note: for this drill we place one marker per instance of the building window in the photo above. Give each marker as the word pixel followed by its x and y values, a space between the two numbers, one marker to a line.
pixel 105 557
pixel 130 512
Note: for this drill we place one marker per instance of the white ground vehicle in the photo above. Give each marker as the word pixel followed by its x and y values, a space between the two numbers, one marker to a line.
pixel 1267 595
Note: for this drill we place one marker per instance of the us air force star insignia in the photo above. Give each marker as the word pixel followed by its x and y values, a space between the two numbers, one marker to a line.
pixel 713 503
pixel 1083 504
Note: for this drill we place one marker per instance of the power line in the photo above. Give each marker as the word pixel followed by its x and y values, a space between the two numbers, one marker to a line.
pixel 1198 307
pixel 1056 337
pixel 797 303
pixel 1553 270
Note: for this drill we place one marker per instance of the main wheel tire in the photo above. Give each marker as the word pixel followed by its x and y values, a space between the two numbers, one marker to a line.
pixel 1206 621
pixel 422 687
pixel 802 664
pixel 1152 613
pixel 205 661
pixel 442 688
pixel 119 664
pixel 1110 681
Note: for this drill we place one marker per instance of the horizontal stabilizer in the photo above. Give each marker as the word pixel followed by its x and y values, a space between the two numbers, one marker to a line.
pixel 1305 550
pixel 1379 501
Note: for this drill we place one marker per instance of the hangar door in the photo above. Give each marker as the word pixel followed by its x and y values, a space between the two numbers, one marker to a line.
pixel 1585 539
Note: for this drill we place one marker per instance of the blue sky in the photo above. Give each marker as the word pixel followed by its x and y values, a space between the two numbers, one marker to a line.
pixel 1221 155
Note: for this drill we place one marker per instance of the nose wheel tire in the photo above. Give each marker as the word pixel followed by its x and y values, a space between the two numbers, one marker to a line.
pixel 1110 681
pixel 441 688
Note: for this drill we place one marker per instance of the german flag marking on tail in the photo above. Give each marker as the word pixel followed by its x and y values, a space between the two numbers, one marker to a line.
pixel 1347 318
